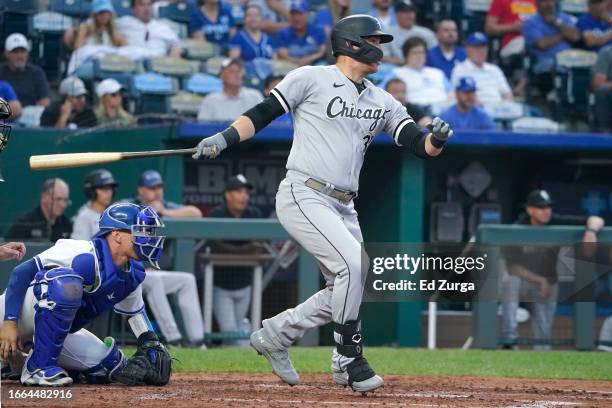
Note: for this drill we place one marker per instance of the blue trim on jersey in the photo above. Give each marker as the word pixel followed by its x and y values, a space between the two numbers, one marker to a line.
pixel 39 264
pixel 18 284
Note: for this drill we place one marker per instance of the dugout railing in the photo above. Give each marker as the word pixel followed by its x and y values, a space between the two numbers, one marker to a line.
pixel 485 320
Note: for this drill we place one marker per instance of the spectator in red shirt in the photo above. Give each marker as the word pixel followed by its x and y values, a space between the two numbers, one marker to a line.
pixel 505 18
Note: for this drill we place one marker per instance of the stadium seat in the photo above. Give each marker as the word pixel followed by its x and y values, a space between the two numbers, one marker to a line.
pixel 48 50
pixel 535 125
pixel 213 65
pixel 176 67
pixel 198 50
pixel 122 8
pixel 115 64
pixel 153 91
pixel 575 7
pixel 572 80
pixel 80 8
pixel 185 103
pixel 448 9
pixel 181 29
pixel 51 21
pixel 19 6
pixel 179 12
pixel 203 84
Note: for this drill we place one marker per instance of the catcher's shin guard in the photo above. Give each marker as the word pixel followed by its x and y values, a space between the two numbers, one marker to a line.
pixel 59 293
pixel 349 343
pixel 113 362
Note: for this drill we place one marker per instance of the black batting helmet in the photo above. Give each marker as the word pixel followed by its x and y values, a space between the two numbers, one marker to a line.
pixel 352 31
pixel 96 179
pixel 5 130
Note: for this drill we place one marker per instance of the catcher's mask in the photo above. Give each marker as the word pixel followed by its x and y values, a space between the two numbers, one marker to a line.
pixel 5 129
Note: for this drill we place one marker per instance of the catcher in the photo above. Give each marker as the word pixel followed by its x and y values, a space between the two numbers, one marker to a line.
pixel 51 297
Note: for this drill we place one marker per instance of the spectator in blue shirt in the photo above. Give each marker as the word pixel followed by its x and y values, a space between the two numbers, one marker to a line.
pixel 383 10
pixel 465 114
pixel 547 33
pixel 328 15
pixel 250 42
pixel 447 53
pixel 301 43
pixel 8 94
pixel 596 25
pixel 212 22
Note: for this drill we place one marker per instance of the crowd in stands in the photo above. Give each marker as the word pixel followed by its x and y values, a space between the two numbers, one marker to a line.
pixel 513 54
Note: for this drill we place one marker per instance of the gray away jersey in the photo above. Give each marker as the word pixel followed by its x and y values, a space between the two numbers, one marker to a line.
pixel 334 124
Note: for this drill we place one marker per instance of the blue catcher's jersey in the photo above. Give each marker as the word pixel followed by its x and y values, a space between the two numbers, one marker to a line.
pixel 106 286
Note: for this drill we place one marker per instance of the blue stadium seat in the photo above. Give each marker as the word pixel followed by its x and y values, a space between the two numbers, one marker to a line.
pixel 74 8
pixel 178 12
pixel 153 92
pixel 203 84
pixel 122 8
pixel 19 6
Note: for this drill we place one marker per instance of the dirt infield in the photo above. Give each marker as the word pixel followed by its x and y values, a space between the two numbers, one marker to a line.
pixel 265 390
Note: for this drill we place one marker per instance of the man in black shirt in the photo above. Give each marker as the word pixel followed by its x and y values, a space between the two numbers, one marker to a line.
pixel 532 272
pixel 28 80
pixel 232 290
pixel 47 221
pixel 72 110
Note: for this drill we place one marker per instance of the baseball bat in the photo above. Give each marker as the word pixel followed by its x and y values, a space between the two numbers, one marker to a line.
pixel 65 160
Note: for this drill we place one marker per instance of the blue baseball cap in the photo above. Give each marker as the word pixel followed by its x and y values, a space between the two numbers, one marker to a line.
pixel 98 6
pixel 466 84
pixel 300 6
pixel 477 38
pixel 150 179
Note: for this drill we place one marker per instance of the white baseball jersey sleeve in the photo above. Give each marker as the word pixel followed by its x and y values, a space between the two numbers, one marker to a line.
pixel 333 123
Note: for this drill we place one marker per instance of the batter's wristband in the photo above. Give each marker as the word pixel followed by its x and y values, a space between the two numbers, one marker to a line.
pixel 437 143
pixel 231 136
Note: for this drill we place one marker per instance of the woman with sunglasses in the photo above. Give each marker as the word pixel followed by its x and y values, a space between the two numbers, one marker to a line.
pixel 110 106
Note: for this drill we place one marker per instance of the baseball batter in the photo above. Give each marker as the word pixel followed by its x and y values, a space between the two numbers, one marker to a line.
pixel 336 113
pixel 51 297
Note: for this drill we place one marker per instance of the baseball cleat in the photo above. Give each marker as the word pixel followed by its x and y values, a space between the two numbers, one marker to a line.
pixel 277 357
pixel 48 377
pixel 359 376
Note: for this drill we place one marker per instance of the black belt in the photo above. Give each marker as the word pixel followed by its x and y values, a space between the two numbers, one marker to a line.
pixel 343 196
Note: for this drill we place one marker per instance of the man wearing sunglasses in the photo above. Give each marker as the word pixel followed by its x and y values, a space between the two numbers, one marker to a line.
pixel 47 221
pixel 110 104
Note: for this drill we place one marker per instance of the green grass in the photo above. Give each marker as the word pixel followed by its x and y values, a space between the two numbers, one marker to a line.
pixel 489 363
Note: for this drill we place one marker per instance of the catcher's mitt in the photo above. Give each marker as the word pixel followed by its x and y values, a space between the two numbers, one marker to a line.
pixel 151 350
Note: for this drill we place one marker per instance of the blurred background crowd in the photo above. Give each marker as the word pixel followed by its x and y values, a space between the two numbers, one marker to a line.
pixel 480 64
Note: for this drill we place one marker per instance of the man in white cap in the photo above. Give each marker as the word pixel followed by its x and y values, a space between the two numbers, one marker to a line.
pixel 110 110
pixel 234 98
pixel 72 110
pixel 28 80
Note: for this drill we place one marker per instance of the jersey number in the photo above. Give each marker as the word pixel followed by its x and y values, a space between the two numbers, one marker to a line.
pixel 367 140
